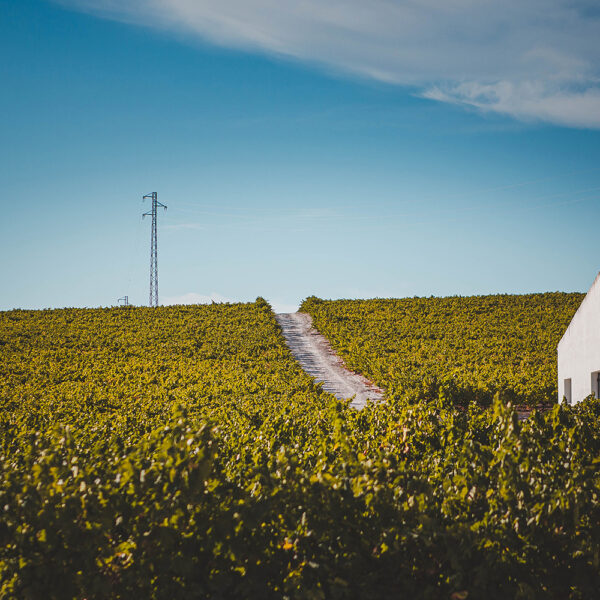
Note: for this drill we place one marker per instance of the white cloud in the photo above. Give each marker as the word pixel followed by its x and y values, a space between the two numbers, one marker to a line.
pixel 282 307
pixel 528 100
pixel 534 59
pixel 194 298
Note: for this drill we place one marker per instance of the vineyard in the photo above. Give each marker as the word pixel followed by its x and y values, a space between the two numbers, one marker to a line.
pixel 181 453
pixel 466 348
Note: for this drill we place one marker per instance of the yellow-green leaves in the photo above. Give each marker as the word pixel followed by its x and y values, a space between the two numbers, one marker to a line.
pixel 181 453
pixel 457 349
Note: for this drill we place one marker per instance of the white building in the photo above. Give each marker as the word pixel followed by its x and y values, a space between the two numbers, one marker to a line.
pixel 579 351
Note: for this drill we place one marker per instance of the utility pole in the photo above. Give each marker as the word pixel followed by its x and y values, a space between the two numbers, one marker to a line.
pixel 124 300
pixel 153 248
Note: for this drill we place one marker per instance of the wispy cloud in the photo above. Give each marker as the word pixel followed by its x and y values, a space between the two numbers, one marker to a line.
pixel 265 220
pixel 527 100
pixel 531 59
pixel 183 226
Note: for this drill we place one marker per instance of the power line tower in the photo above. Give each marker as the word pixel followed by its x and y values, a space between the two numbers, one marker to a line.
pixel 153 247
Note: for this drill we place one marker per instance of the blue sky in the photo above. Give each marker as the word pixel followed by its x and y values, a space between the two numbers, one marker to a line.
pixel 341 154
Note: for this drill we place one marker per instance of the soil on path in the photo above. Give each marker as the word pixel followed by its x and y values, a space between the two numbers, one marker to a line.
pixel 313 352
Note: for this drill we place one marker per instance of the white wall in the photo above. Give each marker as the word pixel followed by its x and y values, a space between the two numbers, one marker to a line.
pixel 579 348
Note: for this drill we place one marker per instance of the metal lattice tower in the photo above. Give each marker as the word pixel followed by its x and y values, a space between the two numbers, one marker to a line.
pixel 153 248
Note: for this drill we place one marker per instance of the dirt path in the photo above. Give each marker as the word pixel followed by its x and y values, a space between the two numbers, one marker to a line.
pixel 313 352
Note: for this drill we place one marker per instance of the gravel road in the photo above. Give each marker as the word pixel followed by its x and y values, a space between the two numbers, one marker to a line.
pixel 313 352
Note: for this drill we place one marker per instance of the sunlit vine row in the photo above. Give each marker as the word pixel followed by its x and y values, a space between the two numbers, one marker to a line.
pixel 470 346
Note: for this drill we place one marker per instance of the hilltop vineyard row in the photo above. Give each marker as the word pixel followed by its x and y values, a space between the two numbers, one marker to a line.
pixel 468 348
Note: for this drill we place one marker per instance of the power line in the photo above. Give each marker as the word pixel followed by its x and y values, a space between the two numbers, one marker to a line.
pixel 153 247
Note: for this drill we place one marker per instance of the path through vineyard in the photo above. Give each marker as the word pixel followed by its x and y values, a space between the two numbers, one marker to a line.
pixel 313 352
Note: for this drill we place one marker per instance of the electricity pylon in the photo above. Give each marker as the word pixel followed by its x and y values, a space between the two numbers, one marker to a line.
pixel 153 248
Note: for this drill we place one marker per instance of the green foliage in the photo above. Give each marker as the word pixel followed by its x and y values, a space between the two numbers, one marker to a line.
pixel 464 348
pixel 181 453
